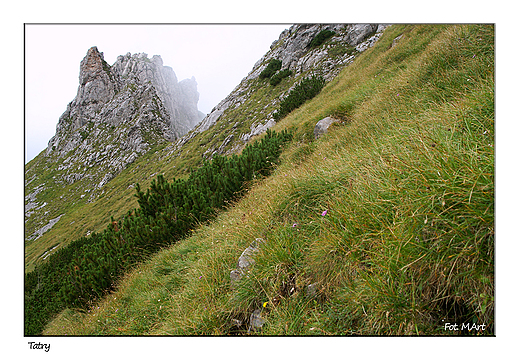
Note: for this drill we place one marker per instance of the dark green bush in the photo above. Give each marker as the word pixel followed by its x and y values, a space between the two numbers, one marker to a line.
pixel 83 134
pixel 273 66
pixel 321 37
pixel 305 90
pixel 279 76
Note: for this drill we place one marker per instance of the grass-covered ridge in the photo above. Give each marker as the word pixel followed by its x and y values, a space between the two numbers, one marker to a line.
pixel 391 214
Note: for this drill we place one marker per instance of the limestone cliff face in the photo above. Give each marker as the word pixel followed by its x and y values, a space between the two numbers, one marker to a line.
pixel 119 113
pixel 134 90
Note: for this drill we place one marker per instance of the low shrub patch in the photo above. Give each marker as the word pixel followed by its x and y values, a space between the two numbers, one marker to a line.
pixel 305 90
pixel 273 66
pixel 279 76
pixel 321 38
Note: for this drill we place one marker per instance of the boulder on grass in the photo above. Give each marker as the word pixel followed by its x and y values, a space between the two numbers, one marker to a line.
pixel 322 126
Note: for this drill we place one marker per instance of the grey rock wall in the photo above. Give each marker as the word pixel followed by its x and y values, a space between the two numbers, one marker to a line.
pixel 119 113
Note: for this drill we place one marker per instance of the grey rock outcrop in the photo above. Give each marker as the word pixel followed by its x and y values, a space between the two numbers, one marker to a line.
pixel 323 125
pixel 132 86
pixel 292 48
pixel 45 228
pixel 256 321
pixel 119 113
pixel 258 129
pixel 245 261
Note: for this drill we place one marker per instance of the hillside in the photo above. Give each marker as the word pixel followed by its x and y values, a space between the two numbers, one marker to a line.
pixel 73 191
pixel 382 226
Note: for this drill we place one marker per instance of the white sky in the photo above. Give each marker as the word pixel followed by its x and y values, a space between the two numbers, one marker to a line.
pixel 218 56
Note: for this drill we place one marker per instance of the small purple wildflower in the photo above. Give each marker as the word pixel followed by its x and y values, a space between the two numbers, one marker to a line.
pixel 200 277
pixel 324 213
pixel 294 225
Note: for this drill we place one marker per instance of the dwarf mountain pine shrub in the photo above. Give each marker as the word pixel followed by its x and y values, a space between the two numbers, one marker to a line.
pixel 273 66
pixel 279 76
pixel 305 90
pixel 321 37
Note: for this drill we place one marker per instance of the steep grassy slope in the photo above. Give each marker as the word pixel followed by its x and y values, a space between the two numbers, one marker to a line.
pixel 390 216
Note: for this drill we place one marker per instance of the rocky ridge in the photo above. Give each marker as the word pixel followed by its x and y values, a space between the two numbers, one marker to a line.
pixel 293 50
pixel 137 97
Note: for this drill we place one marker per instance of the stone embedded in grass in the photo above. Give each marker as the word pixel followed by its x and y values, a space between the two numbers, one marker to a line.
pixel 236 322
pixel 322 126
pixel 235 275
pixel 310 290
pixel 245 261
pixel 256 321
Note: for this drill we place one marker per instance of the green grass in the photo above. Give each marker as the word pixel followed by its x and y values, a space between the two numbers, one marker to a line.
pixel 407 242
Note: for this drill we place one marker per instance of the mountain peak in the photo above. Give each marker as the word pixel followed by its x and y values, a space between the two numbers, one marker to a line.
pixel 91 66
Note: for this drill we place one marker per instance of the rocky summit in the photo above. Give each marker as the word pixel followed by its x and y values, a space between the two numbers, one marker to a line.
pixel 137 97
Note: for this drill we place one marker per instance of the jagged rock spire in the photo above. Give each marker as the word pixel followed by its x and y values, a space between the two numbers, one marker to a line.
pixel 96 88
pixel 91 66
